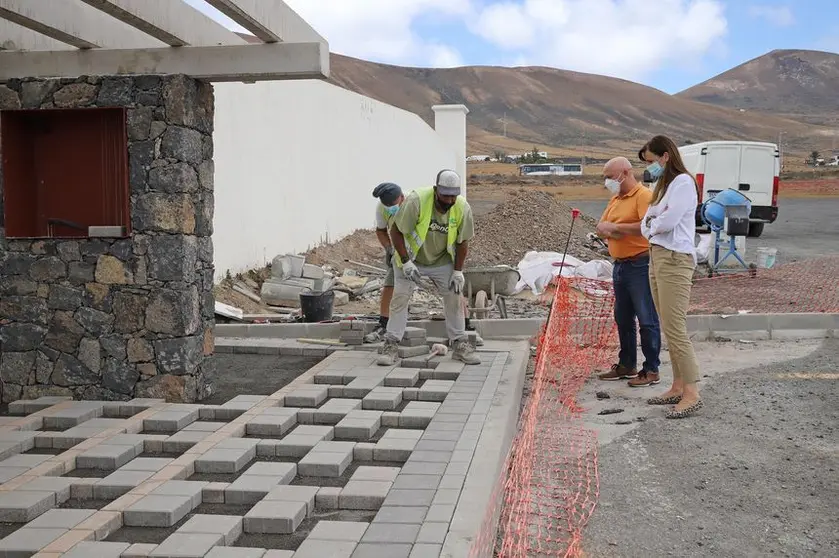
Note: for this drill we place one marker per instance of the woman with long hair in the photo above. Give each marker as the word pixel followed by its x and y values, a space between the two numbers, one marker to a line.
pixel 670 226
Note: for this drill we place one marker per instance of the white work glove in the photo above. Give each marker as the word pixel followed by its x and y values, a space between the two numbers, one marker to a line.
pixel 410 270
pixel 457 281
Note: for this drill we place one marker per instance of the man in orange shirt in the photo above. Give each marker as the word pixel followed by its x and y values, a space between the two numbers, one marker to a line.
pixel 621 225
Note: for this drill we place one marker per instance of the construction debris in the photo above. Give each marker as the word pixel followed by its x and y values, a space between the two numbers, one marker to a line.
pixel 291 276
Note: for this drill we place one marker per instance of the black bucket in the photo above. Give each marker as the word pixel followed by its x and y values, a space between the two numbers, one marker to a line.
pixel 316 306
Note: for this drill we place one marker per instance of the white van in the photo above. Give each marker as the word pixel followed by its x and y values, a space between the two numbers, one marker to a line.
pixel 753 168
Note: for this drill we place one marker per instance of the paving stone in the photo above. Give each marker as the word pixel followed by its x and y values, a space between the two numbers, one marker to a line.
pixel 370 473
pixel 97 549
pixel 426 373
pixel 307 396
pixel 332 377
pixel 417 414
pixel 401 514
pixel 334 410
pixel 405 497
pixel 376 550
pixel 269 469
pixel 8 473
pixel 312 548
pixel 275 517
pixel 410 394
pixel 418 482
pixel 228 526
pixel 182 545
pixel 431 456
pixel 363 495
pixel 192 489
pixel 236 552
pixel 203 426
pixel 382 399
pixel 183 440
pixel 396 445
pixel 360 387
pixel 327 497
pixel 327 459
pixel 19 506
pixel 139 550
pixel 59 486
pixel 213 493
pixel 153 464
pixel 363 451
pixel 435 390
pixel 446 496
pixel 276 423
pixel 440 513
pixel 415 362
pixel 60 519
pixel 81 411
pixel 423 550
pixel 402 377
pixel 279 554
pixel 108 457
pixel 417 342
pixel 305 494
pixel 25 541
pixel 26 461
pixel 302 439
pixel 418 468
pixel 391 419
pixel 170 421
pixel 226 459
pixel 433 533
pixel 359 425
pixel 411 352
pixel 25 406
pixel 251 489
pixel 391 533
pixel 350 531
pixel 156 510
pixel 118 483
pixel 415 333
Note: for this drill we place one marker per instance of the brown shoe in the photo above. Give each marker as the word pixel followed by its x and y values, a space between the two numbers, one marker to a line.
pixel 618 372
pixel 644 379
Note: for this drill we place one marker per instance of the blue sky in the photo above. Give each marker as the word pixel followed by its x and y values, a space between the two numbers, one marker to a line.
pixel 668 44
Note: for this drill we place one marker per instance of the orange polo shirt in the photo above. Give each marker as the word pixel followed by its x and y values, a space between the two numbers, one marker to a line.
pixel 630 208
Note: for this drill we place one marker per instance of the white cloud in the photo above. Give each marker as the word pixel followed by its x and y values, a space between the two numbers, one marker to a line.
pixel 621 38
pixel 442 56
pixel 780 16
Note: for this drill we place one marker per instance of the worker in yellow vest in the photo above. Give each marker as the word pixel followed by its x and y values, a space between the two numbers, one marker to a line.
pixel 390 197
pixel 430 235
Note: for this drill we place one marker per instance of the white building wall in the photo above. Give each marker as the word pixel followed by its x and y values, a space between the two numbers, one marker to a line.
pixel 296 163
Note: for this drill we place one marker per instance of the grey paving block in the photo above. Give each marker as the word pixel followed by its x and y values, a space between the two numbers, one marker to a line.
pixel 251 489
pixel 350 531
pixel 108 457
pixel 79 412
pixel 391 419
pixel 360 387
pixel 307 396
pixel 334 410
pixel 418 482
pixel 415 362
pixel 446 496
pixel 17 442
pixel 431 456
pixel 156 510
pixel 228 526
pixel 440 513
pixel 118 483
pixel 327 497
pixel 275 516
pixel 415 333
pixel 327 459
pixel 183 440
pixel 402 377
pixel 279 554
pixel 27 406
pixel 424 550
pixel 285 471
pixel 435 390
pixel 418 468
pixel 433 533
pixel 411 352
pixel 418 414
pixel 363 451
pixel 183 545
pixel 60 486
pixel 19 506
pixel 8 473
pixel 401 514
pixel 25 542
pixel 382 399
pixel 139 550
pixel 153 464
pixel 396 445
pixel 330 377
pixel 26 461
pixel 359 425
pixel 363 495
pixel 170 421
pixel 204 426
pixel 391 533
pixel 213 493
pixel 376 550
pixel 302 439
pixel 410 394
pixel 312 548
pixel 417 342
pixel 60 519
pixel 369 473
pixel 224 460
pixel 97 549
pixel 404 497
pixel 276 423
pixel 236 552
pixel 192 489
pixel 304 494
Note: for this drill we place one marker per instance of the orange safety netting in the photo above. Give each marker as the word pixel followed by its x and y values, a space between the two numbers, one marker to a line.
pixel 549 486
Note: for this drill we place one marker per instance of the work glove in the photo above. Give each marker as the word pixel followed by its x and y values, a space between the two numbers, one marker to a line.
pixel 410 270
pixel 457 281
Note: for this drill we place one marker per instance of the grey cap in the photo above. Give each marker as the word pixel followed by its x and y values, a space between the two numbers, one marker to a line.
pixel 448 183
pixel 387 192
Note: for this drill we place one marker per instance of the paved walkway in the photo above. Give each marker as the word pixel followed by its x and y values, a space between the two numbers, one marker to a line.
pixel 349 460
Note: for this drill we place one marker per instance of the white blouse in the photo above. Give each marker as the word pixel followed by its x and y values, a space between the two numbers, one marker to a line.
pixel 671 223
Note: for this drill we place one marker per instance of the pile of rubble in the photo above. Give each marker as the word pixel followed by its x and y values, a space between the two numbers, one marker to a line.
pixel 290 277
pixel 529 220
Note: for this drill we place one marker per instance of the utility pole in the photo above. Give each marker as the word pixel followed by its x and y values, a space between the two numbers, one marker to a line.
pixel 505 123
pixel 781 148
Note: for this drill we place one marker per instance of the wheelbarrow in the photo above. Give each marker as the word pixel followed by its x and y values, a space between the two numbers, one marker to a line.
pixel 487 287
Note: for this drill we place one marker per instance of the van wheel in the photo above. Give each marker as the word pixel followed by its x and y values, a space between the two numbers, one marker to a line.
pixel 755 230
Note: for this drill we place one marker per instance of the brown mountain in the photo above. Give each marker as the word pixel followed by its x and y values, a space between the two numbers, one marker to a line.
pixel 800 84
pixel 562 109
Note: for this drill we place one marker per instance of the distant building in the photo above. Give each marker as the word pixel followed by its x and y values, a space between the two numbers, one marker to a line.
pixel 478 158
pixel 551 169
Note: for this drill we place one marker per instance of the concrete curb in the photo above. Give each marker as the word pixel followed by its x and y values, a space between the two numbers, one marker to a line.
pixel 702 327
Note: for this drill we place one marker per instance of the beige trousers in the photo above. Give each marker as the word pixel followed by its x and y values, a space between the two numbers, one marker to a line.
pixel 671 277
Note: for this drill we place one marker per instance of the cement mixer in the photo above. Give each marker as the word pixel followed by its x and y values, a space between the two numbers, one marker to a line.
pixel 728 211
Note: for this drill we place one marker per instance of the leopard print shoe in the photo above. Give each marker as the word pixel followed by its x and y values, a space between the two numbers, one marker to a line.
pixel 686 412
pixel 672 400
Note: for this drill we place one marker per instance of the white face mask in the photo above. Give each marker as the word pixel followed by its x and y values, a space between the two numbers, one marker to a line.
pixel 613 186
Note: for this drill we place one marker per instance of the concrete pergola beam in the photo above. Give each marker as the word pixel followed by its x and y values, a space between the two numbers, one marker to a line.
pixel 76 24
pixel 15 37
pixel 172 22
pixel 279 61
pixel 271 21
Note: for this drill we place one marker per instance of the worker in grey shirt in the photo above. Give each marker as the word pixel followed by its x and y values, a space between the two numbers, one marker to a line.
pixel 390 197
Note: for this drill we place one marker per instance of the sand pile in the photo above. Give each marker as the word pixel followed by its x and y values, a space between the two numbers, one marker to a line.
pixel 528 220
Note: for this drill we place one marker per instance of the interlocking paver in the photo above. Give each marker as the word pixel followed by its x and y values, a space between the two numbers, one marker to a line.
pixel 376 550
pixel 108 457
pixel 171 420
pixel 26 541
pixel 391 533
pixel 327 459
pixel 97 549
pixel 418 414
pixel 435 390
pixel 396 445
pixel 334 410
pixel 186 545
pixel 228 526
pixel 60 519
pixel 228 456
pixel 359 425
pixel 275 516
pixel 236 552
pixel 275 422
pixel 402 377
pixel 302 439
pixel 118 483
pixel 313 548
pixel 307 396
pixel 139 550
pixel 383 399
pixel 304 494
pixel 360 387
pixel 363 495
pixel 19 506
pixel 155 510
pixel 351 531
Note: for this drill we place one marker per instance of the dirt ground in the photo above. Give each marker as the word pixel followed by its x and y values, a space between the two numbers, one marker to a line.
pixel 755 474
pixel 254 374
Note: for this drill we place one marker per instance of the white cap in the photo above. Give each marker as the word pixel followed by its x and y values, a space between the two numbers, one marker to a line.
pixel 448 183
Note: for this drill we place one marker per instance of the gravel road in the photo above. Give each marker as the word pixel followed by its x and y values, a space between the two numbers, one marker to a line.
pixel 806 228
pixel 756 474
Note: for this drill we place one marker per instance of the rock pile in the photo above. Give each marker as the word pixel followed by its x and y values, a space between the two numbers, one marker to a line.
pixel 528 220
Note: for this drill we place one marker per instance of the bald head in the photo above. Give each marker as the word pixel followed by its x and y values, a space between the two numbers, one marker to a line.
pixel 620 169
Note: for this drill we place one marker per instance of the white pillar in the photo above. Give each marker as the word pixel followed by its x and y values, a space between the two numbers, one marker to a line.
pixel 450 124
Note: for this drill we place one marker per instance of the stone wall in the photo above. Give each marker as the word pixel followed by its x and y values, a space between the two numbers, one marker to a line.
pixel 120 318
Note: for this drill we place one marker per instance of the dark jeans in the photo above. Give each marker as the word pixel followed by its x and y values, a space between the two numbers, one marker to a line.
pixel 634 299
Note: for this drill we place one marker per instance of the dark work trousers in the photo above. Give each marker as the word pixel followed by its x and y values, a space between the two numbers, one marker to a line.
pixel 634 300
